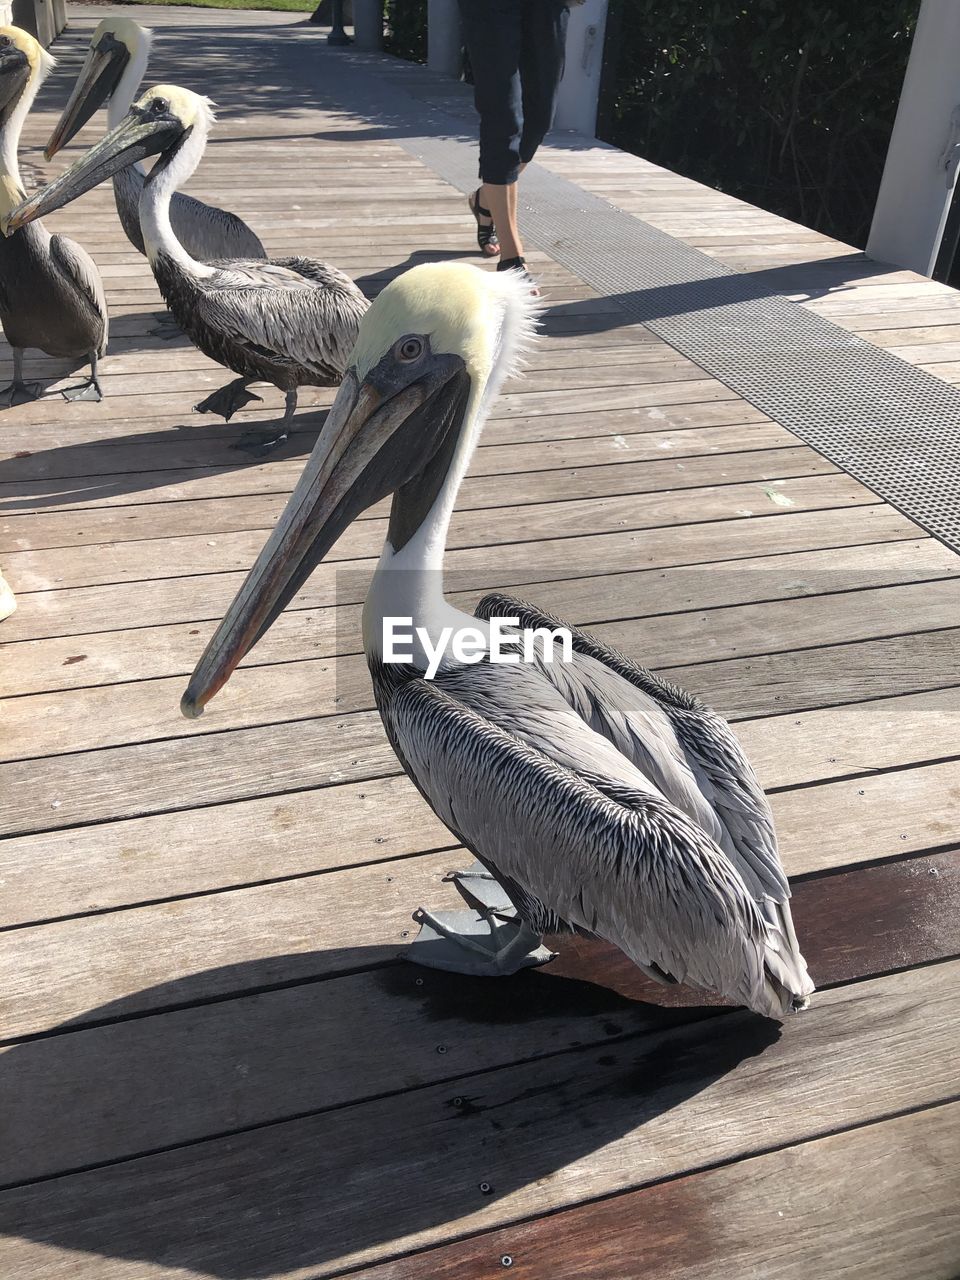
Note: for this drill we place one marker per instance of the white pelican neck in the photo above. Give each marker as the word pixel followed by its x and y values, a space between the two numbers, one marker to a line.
pixel 408 581
pixel 166 177
pixel 11 126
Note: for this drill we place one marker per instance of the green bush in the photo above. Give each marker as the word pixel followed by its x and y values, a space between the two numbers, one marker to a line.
pixel 407 29
pixel 785 103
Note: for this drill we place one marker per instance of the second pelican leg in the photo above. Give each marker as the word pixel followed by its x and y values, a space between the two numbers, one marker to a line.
pixel 260 443
pixel 89 390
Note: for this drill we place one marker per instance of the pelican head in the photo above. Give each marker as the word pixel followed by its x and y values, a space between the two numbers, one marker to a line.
pixel 116 45
pixel 155 125
pixel 23 65
pixel 430 356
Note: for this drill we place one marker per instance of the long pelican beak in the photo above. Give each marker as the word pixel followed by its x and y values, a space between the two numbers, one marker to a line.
pixel 139 134
pixel 379 435
pixel 99 76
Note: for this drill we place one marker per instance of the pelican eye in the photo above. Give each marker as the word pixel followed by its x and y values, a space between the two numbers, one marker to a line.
pixel 5 42
pixel 409 349
pixel 159 105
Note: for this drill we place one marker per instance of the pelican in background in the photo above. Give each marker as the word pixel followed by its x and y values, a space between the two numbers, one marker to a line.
pixel 599 798
pixel 51 295
pixel 289 321
pixel 112 71
pixel 8 602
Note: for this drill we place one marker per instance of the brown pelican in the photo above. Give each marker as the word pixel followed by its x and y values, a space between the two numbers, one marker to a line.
pixel 599 798
pixel 111 73
pixel 51 295
pixel 289 321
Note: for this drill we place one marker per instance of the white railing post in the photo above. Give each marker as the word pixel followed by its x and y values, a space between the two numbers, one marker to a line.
pixel 443 37
pixel 580 86
pixel 368 24
pixel 921 167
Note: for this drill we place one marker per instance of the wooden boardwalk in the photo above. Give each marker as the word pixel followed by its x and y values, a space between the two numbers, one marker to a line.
pixel 214 1064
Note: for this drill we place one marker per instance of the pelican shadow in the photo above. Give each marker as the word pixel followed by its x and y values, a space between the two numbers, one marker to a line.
pixel 288 1127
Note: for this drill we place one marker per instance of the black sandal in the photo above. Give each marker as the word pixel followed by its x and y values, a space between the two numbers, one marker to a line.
pixel 520 264
pixel 486 235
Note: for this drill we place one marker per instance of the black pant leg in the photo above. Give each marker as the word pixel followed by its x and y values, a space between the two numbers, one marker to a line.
pixel 492 31
pixel 541 67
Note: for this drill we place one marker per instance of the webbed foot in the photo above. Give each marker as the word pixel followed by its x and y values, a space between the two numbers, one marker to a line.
pixel 481 945
pixel 89 390
pixel 20 393
pixel 227 400
pixel 259 443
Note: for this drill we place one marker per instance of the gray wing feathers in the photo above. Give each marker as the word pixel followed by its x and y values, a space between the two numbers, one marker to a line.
pixel 306 315
pixel 81 269
pixel 208 233
pixel 673 737
pixel 688 751
pixel 624 865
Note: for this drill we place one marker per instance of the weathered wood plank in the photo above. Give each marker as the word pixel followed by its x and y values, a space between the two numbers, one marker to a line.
pixel 495 487
pixel 315 1194
pixel 897 1172
pixel 519 404
pixel 791 646
pixel 140 653
pixel 519 432
pixel 206 467
pixel 194 762
pixel 201 766
pixel 859 923
pixel 82 610
pixel 154 559
pixel 194 851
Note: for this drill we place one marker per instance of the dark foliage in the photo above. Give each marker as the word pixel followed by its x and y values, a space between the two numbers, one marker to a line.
pixel 407 29
pixel 786 105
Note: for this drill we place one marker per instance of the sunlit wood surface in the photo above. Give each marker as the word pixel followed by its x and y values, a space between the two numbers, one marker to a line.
pixel 215 1063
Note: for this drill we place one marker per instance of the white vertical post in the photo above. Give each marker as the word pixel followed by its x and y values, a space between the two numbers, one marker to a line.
pixel 921 167
pixel 368 24
pixel 443 37
pixel 580 86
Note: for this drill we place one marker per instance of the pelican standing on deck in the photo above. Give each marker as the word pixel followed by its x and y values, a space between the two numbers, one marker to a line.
pixel 289 321
pixel 111 73
pixel 598 797
pixel 51 295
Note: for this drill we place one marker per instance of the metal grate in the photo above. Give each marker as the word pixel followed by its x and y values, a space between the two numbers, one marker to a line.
pixel 889 424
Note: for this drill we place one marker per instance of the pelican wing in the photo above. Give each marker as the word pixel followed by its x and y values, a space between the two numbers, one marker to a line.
pixel 604 857
pixel 208 233
pixel 81 269
pixel 674 738
pixel 304 315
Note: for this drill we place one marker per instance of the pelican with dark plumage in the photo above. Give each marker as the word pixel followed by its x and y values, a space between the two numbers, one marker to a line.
pixel 597 797
pixel 51 295
pixel 112 70
pixel 289 321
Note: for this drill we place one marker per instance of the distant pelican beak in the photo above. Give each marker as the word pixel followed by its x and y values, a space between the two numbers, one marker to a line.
pixel 99 76
pixel 14 73
pixel 378 436
pixel 139 134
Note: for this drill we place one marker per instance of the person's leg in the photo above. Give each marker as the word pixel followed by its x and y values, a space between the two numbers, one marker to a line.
pixel 544 36
pixel 492 33
pixel 501 200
